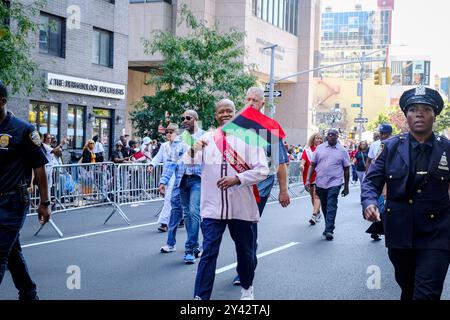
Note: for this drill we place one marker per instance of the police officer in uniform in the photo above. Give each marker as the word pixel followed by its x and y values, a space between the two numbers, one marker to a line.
pixel 417 210
pixel 20 152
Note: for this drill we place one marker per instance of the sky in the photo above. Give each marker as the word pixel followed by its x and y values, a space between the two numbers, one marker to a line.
pixel 419 27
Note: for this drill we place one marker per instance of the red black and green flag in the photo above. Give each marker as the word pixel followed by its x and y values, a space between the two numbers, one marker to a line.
pixel 254 128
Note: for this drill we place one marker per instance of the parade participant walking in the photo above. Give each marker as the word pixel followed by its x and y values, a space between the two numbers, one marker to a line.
pixel 230 169
pixel 277 158
pixel 186 187
pixel 163 156
pixel 332 165
pixel 313 142
pixel 359 160
pixel 376 228
pixel 385 132
pixel 20 154
pixel 415 168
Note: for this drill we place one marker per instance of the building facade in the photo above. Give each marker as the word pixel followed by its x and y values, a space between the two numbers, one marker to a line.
pixel 347 35
pixel 81 51
pixel 291 24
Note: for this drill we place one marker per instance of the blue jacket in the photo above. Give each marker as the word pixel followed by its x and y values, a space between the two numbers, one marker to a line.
pixel 420 218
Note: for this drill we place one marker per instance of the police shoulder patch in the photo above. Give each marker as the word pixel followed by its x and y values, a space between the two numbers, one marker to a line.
pixel 35 138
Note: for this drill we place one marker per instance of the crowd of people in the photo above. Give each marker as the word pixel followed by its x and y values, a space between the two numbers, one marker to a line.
pixel 214 180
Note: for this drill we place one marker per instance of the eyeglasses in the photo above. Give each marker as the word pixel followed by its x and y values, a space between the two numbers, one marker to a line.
pixel 188 118
pixel 168 131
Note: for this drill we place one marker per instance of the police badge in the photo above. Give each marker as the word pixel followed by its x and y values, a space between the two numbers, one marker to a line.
pixel 4 140
pixel 443 163
pixel 420 91
pixel 35 138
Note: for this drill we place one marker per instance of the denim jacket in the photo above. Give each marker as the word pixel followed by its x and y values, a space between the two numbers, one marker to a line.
pixel 175 165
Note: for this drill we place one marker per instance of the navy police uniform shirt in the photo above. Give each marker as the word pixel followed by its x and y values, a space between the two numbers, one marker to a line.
pixel 20 151
pixel 417 208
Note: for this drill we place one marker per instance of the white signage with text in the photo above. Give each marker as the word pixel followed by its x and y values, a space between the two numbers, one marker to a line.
pixel 60 82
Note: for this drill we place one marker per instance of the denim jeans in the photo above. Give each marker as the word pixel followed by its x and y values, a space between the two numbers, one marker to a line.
pixel 190 187
pixel 242 234
pixel 175 215
pixel 12 217
pixel 328 201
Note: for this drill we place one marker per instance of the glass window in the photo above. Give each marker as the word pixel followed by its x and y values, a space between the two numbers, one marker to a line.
pixel 281 16
pixel 275 12
pixel 106 113
pixel 45 117
pixel 76 126
pixel 102 47
pixel 51 35
pixel 270 11
pixel 258 12
pixel 264 9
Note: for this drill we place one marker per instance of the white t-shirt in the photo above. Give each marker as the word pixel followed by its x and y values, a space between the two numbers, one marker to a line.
pixel 373 150
pixel 98 147
pixel 48 152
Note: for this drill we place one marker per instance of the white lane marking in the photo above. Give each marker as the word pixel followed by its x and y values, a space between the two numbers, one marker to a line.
pixel 263 254
pixel 88 234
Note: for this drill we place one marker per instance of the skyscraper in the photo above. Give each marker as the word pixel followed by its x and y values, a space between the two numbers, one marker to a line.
pixel 346 35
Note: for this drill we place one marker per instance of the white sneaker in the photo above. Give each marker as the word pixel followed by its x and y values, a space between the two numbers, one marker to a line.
pixel 318 217
pixel 247 294
pixel 167 249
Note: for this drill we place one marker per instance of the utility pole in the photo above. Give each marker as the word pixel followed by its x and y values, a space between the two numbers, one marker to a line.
pixel 361 92
pixel 271 110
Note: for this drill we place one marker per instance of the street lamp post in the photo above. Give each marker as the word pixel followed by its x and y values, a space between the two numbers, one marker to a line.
pixel 360 90
pixel 272 78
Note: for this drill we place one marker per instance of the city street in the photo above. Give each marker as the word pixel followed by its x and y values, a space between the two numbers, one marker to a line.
pixel 117 261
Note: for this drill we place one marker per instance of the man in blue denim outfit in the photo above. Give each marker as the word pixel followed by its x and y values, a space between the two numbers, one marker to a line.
pixel 20 152
pixel 186 191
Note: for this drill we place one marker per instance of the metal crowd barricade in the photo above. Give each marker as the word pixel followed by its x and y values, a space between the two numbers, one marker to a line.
pixel 78 186
pixel 137 183
pixel 295 183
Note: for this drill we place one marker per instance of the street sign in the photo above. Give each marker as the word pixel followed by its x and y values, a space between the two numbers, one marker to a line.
pixel 361 120
pixel 356 105
pixel 267 86
pixel 276 93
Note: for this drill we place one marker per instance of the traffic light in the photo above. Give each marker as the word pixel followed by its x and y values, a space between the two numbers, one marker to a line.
pixel 351 135
pixel 388 76
pixel 378 77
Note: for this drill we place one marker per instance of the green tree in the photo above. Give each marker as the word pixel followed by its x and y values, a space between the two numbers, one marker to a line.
pixel 443 120
pixel 382 117
pixel 393 116
pixel 17 68
pixel 197 70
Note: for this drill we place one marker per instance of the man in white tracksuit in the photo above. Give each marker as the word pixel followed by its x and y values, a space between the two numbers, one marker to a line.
pixel 161 157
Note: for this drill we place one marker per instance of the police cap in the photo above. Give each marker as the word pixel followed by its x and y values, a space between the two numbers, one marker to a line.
pixel 422 95
pixel 385 128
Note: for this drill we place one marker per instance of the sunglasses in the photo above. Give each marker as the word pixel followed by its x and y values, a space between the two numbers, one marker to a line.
pixel 168 132
pixel 188 118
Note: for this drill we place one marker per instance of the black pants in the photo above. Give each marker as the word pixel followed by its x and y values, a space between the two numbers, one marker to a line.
pixel 12 217
pixel 420 273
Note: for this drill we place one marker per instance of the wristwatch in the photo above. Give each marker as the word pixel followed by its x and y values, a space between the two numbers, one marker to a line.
pixel 46 203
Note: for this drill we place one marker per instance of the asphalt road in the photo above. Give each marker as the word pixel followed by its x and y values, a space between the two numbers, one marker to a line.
pixel 120 261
